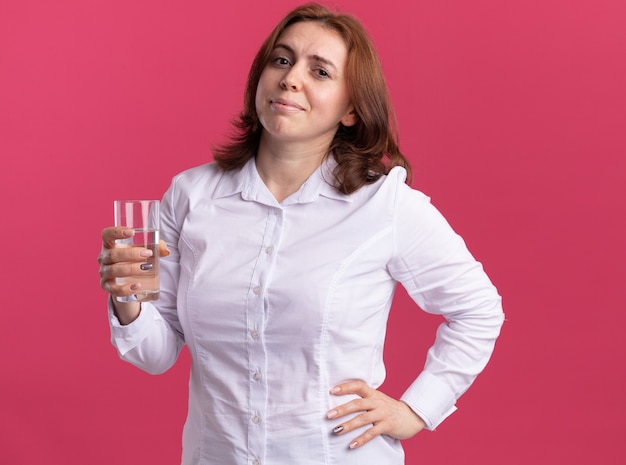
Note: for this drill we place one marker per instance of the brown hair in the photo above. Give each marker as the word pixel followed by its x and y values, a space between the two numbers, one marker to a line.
pixel 365 151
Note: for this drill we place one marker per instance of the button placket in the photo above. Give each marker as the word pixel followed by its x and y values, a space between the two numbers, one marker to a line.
pixel 257 356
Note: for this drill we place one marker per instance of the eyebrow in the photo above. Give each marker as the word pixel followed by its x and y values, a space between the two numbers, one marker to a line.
pixel 314 57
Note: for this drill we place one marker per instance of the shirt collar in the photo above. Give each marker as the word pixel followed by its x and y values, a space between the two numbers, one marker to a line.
pixel 248 182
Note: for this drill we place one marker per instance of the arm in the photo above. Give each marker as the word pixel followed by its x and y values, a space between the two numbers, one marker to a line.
pixel 439 273
pixel 150 336
pixel 442 277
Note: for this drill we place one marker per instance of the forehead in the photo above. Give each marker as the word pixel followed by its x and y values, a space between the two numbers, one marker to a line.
pixel 314 39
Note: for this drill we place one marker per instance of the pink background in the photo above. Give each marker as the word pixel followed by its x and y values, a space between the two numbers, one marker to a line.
pixel 512 112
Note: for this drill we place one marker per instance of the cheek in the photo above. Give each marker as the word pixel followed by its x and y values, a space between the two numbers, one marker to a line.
pixel 263 87
pixel 259 97
pixel 336 102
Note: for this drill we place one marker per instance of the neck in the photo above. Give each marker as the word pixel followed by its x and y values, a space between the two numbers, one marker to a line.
pixel 285 167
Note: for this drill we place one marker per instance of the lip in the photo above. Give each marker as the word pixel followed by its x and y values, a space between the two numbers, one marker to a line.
pixel 284 104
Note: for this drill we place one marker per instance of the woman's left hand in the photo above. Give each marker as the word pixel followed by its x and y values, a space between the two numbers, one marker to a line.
pixel 386 415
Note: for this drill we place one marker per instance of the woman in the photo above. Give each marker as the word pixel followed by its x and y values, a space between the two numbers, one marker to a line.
pixel 285 254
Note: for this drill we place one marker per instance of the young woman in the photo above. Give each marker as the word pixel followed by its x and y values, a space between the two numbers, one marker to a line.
pixel 285 254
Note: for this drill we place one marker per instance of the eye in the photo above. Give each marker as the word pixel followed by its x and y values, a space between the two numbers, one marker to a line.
pixel 322 73
pixel 280 61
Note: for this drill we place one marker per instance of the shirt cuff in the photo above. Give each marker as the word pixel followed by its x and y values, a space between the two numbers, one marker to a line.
pixel 127 337
pixel 431 399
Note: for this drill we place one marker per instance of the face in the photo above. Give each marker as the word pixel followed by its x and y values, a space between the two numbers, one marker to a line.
pixel 302 93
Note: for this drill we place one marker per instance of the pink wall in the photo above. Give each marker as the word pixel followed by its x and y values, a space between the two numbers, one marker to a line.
pixel 513 113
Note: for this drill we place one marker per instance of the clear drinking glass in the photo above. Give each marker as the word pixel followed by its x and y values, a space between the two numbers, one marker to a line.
pixel 143 217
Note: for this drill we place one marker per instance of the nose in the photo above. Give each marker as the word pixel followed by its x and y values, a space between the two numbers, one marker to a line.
pixel 291 80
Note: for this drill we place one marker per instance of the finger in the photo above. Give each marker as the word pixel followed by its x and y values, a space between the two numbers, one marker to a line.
pixel 124 270
pixel 366 437
pixel 365 418
pixel 357 387
pixel 354 406
pixel 123 254
pixel 163 250
pixel 110 235
pixel 402 424
pixel 109 275
pixel 364 403
pixel 377 427
pixel 120 290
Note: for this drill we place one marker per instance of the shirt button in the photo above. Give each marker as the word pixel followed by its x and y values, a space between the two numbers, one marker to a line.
pixel 255 334
pixel 257 290
pixel 256 462
pixel 256 419
pixel 256 376
pixel 269 250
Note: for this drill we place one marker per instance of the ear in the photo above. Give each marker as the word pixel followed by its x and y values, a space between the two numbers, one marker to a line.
pixel 350 118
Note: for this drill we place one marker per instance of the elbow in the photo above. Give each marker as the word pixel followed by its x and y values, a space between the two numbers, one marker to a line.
pixel 152 362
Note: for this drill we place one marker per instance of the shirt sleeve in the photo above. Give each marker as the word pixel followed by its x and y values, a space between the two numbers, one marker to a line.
pixel 154 340
pixel 441 276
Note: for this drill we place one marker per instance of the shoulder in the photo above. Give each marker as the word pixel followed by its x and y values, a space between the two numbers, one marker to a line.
pixel 190 188
pixel 206 173
pixel 394 191
pixel 191 185
pixel 199 180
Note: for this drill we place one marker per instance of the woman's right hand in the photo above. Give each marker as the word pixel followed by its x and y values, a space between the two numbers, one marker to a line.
pixel 121 262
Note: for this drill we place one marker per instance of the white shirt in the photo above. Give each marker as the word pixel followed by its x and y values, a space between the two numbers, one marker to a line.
pixel 277 303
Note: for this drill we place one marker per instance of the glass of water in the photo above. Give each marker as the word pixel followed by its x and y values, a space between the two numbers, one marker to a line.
pixel 143 217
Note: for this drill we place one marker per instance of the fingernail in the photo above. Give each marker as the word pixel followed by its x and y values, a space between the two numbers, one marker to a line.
pixel 332 414
pixel 128 232
pixel 135 286
pixel 146 266
pixel 146 253
pixel 354 444
pixel 338 429
pixel 335 390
